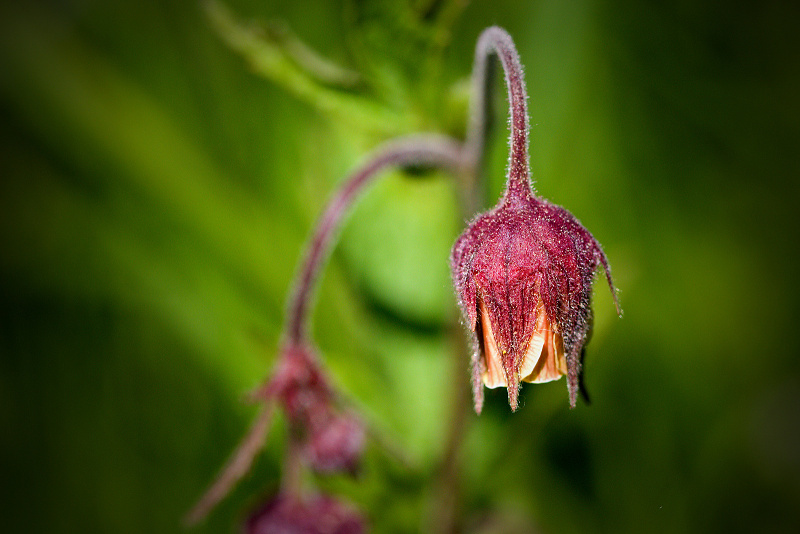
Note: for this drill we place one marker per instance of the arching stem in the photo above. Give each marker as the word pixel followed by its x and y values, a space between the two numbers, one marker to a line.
pixel 495 40
pixel 238 465
pixel 431 150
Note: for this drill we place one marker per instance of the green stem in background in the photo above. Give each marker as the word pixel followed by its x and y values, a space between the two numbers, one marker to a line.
pixel 271 59
pixel 444 14
pixel 309 60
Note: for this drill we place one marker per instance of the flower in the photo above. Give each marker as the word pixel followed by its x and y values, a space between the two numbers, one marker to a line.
pixel 320 514
pixel 332 440
pixel 336 444
pixel 523 275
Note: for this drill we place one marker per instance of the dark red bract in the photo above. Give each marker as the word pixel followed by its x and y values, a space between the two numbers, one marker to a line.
pixel 523 275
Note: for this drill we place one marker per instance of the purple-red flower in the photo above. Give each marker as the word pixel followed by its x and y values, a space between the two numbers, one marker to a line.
pixel 332 440
pixel 284 514
pixel 523 271
pixel 322 436
pixel 523 276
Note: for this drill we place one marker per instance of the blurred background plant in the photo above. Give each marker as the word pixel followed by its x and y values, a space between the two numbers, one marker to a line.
pixel 163 162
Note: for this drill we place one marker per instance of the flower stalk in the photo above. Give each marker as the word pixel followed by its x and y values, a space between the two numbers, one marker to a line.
pixel 238 465
pixel 522 271
pixel 430 150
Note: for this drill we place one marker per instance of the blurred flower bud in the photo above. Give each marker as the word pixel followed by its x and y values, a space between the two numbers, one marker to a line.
pixel 523 276
pixel 301 386
pixel 330 439
pixel 336 445
pixel 284 514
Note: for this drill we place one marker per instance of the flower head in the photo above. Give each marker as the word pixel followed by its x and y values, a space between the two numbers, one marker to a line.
pixel 305 515
pixel 523 274
pixel 332 439
pixel 523 271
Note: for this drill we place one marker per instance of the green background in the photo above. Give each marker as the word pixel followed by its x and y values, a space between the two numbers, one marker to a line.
pixel 157 185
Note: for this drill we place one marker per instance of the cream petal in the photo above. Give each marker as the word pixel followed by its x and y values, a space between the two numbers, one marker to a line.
pixel 493 374
pixel 535 346
pixel 545 360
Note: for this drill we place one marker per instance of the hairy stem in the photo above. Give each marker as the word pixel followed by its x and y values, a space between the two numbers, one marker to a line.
pixel 418 150
pixel 495 40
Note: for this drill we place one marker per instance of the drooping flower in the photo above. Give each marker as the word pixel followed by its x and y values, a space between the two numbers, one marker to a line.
pixel 523 274
pixel 523 271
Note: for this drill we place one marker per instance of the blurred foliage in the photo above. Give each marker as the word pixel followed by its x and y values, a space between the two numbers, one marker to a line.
pixel 162 163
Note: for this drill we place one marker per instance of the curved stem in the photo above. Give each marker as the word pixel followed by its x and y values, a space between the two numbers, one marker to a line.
pixel 238 465
pixel 495 40
pixel 417 150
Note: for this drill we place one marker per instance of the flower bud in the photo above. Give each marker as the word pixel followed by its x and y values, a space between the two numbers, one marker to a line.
pixel 310 515
pixel 331 440
pixel 523 274
pixel 336 445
